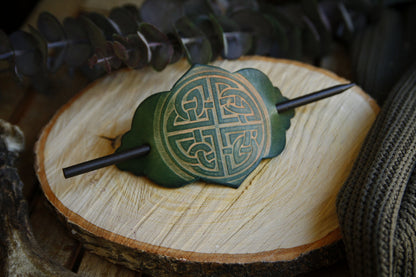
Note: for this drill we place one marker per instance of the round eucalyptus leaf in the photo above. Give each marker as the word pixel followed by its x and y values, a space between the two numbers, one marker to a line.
pixel 238 5
pixel 197 7
pixel 28 57
pixel 280 44
pixel 196 45
pixel 257 24
pixel 321 23
pixel 95 34
pixel 137 49
pixel 235 42
pixel 41 43
pixel 162 14
pixel 346 29
pixel 133 11
pixel 49 26
pixel 141 53
pixel 310 8
pixel 123 19
pixel 162 49
pixel 106 57
pixel 103 23
pixel 5 46
pixel 291 18
pixel 216 7
pixel 339 20
pixel 53 31
pixel 56 59
pixel 330 14
pixel 120 50
pixel 227 24
pixel 324 19
pixel 100 58
pixel 115 62
pixel 178 50
pixel 295 38
pixel 310 39
pixel 288 14
pixel 55 56
pixel 79 49
pixel 212 29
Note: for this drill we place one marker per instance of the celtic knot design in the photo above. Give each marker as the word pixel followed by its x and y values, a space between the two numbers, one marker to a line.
pixel 214 126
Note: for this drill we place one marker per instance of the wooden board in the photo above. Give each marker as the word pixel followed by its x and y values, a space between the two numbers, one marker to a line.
pixel 283 212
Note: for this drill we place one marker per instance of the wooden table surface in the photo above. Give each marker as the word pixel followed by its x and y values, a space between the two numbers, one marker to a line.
pixel 31 110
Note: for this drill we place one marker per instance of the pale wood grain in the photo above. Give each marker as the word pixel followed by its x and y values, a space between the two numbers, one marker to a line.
pixel 286 207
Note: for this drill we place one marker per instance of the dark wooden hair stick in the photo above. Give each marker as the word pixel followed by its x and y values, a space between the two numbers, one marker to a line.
pixel 144 149
pixel 312 97
pixel 105 161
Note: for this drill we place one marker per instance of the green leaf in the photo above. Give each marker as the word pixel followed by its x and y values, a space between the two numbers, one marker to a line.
pixel 320 22
pixel 28 57
pixel 162 14
pixel 178 51
pixel 137 50
pixel 52 30
pixel 103 23
pixel 290 18
pixel 5 46
pixel 50 27
pixel 41 45
pixel 133 12
pixel 120 50
pixel 196 45
pixel 160 45
pixel 212 29
pixel 280 45
pixel 124 21
pixel 79 48
pixel 261 29
pixel 236 43
pixel 95 35
pixel 197 7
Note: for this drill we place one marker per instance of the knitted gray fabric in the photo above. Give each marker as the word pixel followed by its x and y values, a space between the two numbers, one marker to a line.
pixel 376 205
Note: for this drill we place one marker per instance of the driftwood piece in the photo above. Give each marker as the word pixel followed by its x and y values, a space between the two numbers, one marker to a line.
pixel 93 265
pixel 281 220
pixel 20 255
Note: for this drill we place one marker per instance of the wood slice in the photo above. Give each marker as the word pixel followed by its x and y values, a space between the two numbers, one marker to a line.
pixel 281 219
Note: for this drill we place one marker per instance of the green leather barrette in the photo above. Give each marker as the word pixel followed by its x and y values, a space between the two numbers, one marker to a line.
pixel 213 125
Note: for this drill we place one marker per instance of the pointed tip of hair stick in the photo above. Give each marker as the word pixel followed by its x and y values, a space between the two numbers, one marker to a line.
pixel 312 97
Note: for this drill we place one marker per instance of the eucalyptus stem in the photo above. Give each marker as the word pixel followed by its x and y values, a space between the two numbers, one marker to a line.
pixel 105 59
pixel 58 44
pixel 186 41
pixel 6 55
pixel 155 44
